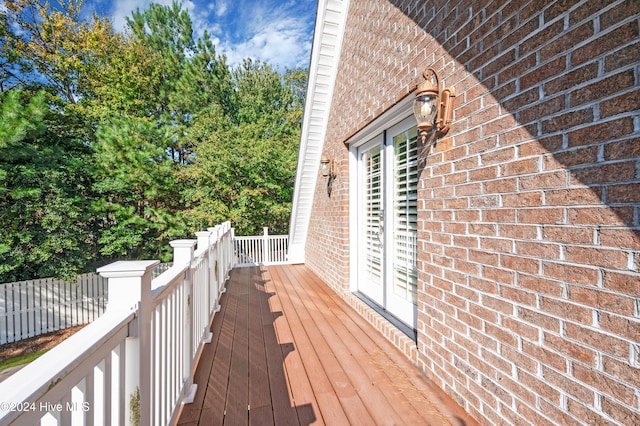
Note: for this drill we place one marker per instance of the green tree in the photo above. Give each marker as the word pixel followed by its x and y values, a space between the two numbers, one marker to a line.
pixel 135 178
pixel 52 47
pixel 245 162
pixel 44 194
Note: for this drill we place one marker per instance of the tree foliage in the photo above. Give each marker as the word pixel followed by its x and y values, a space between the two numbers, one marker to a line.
pixel 44 193
pixel 113 144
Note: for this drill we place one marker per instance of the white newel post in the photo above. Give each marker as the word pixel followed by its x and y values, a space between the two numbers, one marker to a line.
pixel 265 245
pixel 183 255
pixel 129 284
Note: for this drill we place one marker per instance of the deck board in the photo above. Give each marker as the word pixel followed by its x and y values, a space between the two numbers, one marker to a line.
pixel 287 350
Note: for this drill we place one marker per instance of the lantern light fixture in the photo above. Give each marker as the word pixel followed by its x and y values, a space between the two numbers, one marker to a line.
pixel 432 107
pixel 327 166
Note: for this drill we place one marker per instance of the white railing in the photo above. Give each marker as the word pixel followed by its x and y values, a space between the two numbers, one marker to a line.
pixel 261 250
pixel 134 364
pixel 35 307
pixel 31 308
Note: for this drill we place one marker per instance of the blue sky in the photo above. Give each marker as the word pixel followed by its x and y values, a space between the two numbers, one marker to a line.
pixel 279 32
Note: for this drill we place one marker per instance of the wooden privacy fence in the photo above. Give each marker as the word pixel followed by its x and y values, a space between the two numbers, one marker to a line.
pixel 35 307
pixel 134 364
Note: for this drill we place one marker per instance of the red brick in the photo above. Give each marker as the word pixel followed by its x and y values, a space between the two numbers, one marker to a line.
pixel 542 73
pixel 570 197
pixel 539 386
pixel 541 145
pixel 541 216
pixel 615 259
pixel 482 285
pixel 556 179
pixel 602 88
pixel 601 132
pixel 622 150
pixel 570 311
pixel 571 79
pixel 517 136
pixel 523 98
pixel 483 173
pixel 539 319
pixel 625 102
pixel 601 342
pixel 520 167
pixel 568 384
pixel 572 273
pixel 622 282
pixel 606 173
pixel 520 264
pixel 500 334
pixel 544 355
pixel 620 237
pixel 570 235
pixel 482 144
pixel 622 370
pixel 518 231
pixel 622 58
pixel 521 329
pixel 612 216
pixel 571 349
pixel 500 186
pixel 622 414
pixel 605 384
pixel 522 361
pixel 606 43
pixel 532 416
pixel 541 250
pixel 522 199
pixel 499 215
pixel 602 300
pixel 624 326
pixel 518 295
pixel 498 156
pixel 567 120
pixel 468 189
pixel 625 193
pixel 548 108
pixel 558 415
pixel 497 274
pixel 541 285
pixel 571 158
pixel 483 257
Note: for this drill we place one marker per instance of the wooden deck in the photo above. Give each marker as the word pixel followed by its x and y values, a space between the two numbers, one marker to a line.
pixel 287 350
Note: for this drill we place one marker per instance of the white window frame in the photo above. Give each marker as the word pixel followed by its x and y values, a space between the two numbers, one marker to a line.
pixel 390 118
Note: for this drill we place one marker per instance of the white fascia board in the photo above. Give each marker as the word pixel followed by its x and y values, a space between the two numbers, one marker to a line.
pixel 330 24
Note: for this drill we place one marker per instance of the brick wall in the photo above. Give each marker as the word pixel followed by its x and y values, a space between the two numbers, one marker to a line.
pixel 529 214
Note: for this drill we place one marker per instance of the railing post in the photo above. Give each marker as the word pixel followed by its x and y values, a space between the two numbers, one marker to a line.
pixel 130 285
pixel 265 246
pixel 183 254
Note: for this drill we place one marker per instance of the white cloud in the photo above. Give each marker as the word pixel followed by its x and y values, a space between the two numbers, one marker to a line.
pixel 282 43
pixel 270 33
pixel 264 30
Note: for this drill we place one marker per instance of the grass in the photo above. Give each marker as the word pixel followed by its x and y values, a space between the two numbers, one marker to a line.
pixel 20 360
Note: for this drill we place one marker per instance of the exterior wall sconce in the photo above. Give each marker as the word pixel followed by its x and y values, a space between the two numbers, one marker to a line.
pixel 433 108
pixel 328 166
